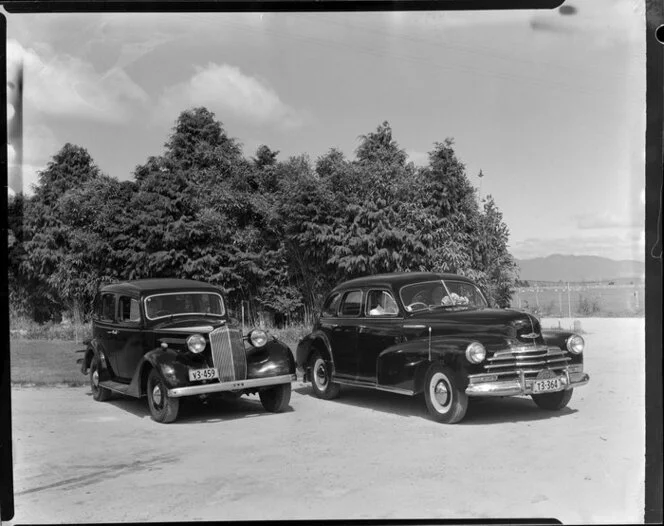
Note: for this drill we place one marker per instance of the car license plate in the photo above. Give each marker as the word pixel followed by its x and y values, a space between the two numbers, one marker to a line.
pixel 203 374
pixel 548 385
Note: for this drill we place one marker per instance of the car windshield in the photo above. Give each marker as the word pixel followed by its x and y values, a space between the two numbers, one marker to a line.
pixel 182 303
pixel 447 294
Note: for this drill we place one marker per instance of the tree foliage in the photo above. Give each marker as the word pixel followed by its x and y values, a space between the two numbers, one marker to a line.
pixel 274 234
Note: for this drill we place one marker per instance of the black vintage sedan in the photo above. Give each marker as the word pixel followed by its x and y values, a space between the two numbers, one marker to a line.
pixel 420 332
pixel 169 338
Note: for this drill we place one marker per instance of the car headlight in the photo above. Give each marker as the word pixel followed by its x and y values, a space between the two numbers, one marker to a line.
pixel 575 344
pixel 257 338
pixel 196 343
pixel 475 352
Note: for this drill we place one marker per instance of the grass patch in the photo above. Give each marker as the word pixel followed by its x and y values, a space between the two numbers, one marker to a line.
pixel 25 328
pixel 44 362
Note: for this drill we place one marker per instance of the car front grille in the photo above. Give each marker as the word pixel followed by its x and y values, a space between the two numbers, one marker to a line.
pixel 527 360
pixel 228 354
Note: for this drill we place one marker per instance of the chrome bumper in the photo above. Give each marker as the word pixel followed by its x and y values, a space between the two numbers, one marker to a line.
pixel 231 386
pixel 521 386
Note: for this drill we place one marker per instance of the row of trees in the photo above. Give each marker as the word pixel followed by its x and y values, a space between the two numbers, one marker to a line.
pixel 276 234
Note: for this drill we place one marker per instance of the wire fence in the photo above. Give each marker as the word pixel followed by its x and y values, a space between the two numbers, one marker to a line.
pixel 581 300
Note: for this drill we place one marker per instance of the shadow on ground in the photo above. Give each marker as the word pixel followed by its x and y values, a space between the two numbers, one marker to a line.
pixel 194 410
pixel 480 411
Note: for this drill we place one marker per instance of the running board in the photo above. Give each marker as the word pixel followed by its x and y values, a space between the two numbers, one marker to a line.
pixel 369 385
pixel 117 387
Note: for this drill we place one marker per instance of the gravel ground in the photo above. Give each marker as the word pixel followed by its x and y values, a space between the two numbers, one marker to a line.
pixel 367 454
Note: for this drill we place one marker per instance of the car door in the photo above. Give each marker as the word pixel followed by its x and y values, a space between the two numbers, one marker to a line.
pixel 380 328
pixel 104 328
pixel 129 338
pixel 344 334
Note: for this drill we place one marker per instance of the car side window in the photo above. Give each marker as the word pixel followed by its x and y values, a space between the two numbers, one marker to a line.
pixel 351 304
pixel 331 305
pixel 107 307
pixel 381 303
pixel 128 310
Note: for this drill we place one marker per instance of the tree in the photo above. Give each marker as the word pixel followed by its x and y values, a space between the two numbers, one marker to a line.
pixel 50 251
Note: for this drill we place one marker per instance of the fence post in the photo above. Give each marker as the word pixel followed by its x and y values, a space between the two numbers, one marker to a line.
pixel 569 302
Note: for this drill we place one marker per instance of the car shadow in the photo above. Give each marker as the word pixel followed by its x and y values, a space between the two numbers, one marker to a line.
pixel 482 411
pixel 194 410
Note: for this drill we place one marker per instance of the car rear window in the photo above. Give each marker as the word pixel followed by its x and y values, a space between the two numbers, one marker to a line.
pixel 129 311
pixel 352 303
pixel 331 305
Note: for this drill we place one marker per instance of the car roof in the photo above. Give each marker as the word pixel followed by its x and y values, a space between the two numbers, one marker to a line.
pixel 396 279
pixel 155 285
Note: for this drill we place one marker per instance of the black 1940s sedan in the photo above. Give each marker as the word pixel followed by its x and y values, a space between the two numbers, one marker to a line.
pixel 420 332
pixel 169 338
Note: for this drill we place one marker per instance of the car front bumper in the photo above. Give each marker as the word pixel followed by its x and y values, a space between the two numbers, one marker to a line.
pixel 521 386
pixel 237 385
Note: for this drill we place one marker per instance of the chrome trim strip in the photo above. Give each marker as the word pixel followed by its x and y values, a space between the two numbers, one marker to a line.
pixel 231 386
pixel 414 326
pixel 515 372
pixel 502 356
pixel 199 328
pixel 527 363
pixel 516 387
pixel 369 385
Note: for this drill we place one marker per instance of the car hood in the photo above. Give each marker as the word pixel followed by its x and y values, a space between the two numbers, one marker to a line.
pixel 188 324
pixel 481 323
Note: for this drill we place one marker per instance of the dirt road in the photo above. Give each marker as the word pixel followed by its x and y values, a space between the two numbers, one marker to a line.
pixel 366 455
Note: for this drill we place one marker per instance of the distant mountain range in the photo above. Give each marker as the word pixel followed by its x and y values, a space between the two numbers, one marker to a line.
pixel 559 267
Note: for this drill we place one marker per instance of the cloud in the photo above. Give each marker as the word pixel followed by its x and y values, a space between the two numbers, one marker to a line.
pixel 39 145
pixel 630 245
pixel 65 86
pixel 607 220
pixel 225 90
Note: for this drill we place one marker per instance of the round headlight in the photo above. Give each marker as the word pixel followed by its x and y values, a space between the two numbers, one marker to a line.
pixel 196 343
pixel 257 338
pixel 575 344
pixel 475 352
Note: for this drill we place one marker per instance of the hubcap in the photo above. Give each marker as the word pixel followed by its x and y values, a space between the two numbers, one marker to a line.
pixel 441 392
pixel 320 374
pixel 156 395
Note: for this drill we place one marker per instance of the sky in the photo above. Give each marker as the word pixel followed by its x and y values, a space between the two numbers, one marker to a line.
pixel 549 106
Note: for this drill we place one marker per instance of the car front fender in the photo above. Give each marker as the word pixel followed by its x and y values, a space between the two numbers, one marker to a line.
pixel 273 359
pixel 404 365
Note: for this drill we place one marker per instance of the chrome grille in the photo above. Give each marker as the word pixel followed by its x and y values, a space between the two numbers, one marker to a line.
pixel 529 360
pixel 228 354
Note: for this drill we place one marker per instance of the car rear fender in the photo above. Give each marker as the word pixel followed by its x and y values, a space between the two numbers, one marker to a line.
pixel 91 349
pixel 105 370
pixel 316 341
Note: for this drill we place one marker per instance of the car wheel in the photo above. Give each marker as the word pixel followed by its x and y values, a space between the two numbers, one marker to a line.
pixel 321 378
pixel 553 401
pixel 99 393
pixel 163 408
pixel 275 399
pixel 445 401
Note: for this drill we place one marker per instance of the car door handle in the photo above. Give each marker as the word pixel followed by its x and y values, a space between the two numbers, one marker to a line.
pixel 362 328
pixel 112 332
